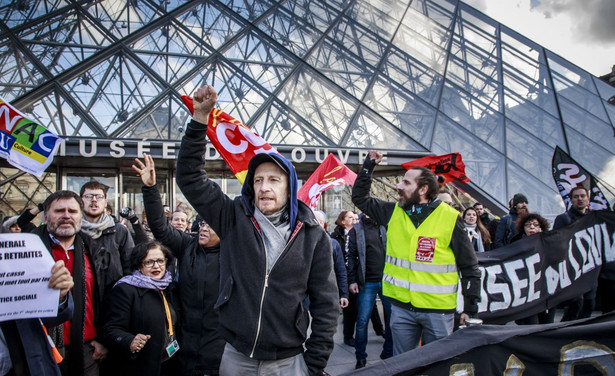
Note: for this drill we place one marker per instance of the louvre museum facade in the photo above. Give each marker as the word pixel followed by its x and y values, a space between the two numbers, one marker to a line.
pixel 408 77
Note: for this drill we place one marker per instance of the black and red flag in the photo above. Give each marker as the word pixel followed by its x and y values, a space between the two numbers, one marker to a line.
pixel 449 166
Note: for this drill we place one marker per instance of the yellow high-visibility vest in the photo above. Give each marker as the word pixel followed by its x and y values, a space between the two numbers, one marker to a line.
pixel 420 266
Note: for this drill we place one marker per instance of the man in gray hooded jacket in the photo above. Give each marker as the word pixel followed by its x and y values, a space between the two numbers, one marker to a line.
pixel 273 254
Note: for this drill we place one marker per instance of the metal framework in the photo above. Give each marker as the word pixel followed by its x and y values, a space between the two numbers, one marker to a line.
pixel 408 75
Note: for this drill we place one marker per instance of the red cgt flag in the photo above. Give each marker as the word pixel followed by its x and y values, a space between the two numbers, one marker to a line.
pixel 235 142
pixel 330 173
pixel 449 166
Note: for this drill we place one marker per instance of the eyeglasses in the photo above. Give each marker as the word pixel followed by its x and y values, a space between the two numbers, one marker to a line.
pixel 150 263
pixel 532 224
pixel 204 225
pixel 91 196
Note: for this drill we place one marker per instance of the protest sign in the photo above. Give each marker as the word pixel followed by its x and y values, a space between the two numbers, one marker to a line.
pixel 24 143
pixel 25 268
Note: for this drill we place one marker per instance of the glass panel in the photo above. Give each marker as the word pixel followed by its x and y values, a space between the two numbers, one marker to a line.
pixel 325 107
pixel 591 156
pixel 123 18
pixel 475 58
pixel 472 114
pixel 533 91
pixel 344 69
pixel 542 195
pixel 381 17
pixel 279 125
pixel 440 11
pixel 588 125
pixel 290 31
pixel 315 13
pixel 528 152
pixel 421 49
pixel 360 41
pixel 370 132
pixel 260 60
pixel 482 87
pixel 16 13
pixel 237 95
pixel 484 165
pixel 17 73
pixel 24 192
pixel 403 110
pixel 162 123
pixel 249 9
pixel 477 31
pixel 533 119
pixel 208 24
pixel 427 28
pixel 412 76
pixel 606 91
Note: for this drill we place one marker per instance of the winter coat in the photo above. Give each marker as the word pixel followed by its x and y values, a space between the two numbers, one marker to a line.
pixel 197 289
pixel 262 315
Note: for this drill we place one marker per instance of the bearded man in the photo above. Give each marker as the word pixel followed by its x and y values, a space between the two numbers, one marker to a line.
pixel 426 251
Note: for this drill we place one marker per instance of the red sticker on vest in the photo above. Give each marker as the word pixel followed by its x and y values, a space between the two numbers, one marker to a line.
pixel 425 249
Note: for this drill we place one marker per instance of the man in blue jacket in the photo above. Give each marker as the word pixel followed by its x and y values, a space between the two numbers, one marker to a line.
pixel 273 255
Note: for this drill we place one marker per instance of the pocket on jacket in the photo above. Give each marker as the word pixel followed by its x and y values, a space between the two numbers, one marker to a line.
pixel 225 293
pixel 302 321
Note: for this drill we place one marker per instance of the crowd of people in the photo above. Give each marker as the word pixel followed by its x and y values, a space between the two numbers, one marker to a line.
pixel 256 284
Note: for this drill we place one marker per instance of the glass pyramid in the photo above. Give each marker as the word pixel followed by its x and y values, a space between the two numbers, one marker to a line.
pixel 431 76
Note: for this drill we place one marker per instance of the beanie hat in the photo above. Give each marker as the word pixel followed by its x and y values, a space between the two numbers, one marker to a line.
pixel 519 197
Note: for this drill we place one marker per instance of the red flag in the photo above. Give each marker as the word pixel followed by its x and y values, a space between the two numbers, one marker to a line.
pixel 330 173
pixel 235 142
pixel 449 166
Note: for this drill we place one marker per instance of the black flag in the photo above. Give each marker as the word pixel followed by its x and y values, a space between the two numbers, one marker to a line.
pixel 568 174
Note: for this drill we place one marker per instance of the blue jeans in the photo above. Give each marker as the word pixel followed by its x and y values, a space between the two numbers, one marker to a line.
pixel 365 303
pixel 407 327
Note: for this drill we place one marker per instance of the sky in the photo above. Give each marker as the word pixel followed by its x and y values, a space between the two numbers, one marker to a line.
pixel 580 31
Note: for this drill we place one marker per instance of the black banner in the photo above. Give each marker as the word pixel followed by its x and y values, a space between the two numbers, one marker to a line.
pixel 543 270
pixel 568 174
pixel 583 347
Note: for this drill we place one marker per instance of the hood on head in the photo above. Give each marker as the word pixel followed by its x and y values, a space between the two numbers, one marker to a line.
pixel 247 191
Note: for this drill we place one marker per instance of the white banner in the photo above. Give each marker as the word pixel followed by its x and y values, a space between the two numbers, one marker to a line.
pixel 25 268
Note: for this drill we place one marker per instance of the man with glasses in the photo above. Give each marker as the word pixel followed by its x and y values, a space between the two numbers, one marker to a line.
pixel 112 242
pixel 198 279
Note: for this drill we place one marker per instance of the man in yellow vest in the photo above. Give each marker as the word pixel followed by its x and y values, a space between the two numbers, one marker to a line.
pixel 427 250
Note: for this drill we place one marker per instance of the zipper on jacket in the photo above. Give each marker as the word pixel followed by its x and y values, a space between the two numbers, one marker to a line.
pixel 260 309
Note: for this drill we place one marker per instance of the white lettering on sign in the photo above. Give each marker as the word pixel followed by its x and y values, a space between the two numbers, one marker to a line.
pixel 168 150
pixel 143 147
pixel 117 149
pixel 93 148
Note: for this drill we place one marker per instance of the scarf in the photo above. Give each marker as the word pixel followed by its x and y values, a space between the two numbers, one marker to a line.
pixel 475 238
pixel 137 279
pixel 275 236
pixel 95 229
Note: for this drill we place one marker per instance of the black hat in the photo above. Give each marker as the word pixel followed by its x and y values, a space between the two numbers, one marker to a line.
pixel 519 197
pixel 258 159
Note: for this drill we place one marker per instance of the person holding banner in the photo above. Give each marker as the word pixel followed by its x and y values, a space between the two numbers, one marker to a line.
pixel 140 319
pixel 273 255
pixel 62 235
pixel 25 348
pixel 427 249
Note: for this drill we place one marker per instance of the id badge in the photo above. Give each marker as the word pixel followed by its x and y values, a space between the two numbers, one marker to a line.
pixel 172 348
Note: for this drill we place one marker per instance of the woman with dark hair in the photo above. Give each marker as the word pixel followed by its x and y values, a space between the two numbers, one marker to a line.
pixel 139 322
pixel 478 234
pixel 527 225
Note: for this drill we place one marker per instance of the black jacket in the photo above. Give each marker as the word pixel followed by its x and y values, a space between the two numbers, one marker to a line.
pixel 357 252
pixel 82 247
pixel 197 289
pixel 130 311
pixel 263 315
pixel 568 217
pixel 465 257
pixel 506 229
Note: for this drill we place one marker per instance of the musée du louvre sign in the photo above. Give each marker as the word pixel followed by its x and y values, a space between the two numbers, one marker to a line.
pixel 105 148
